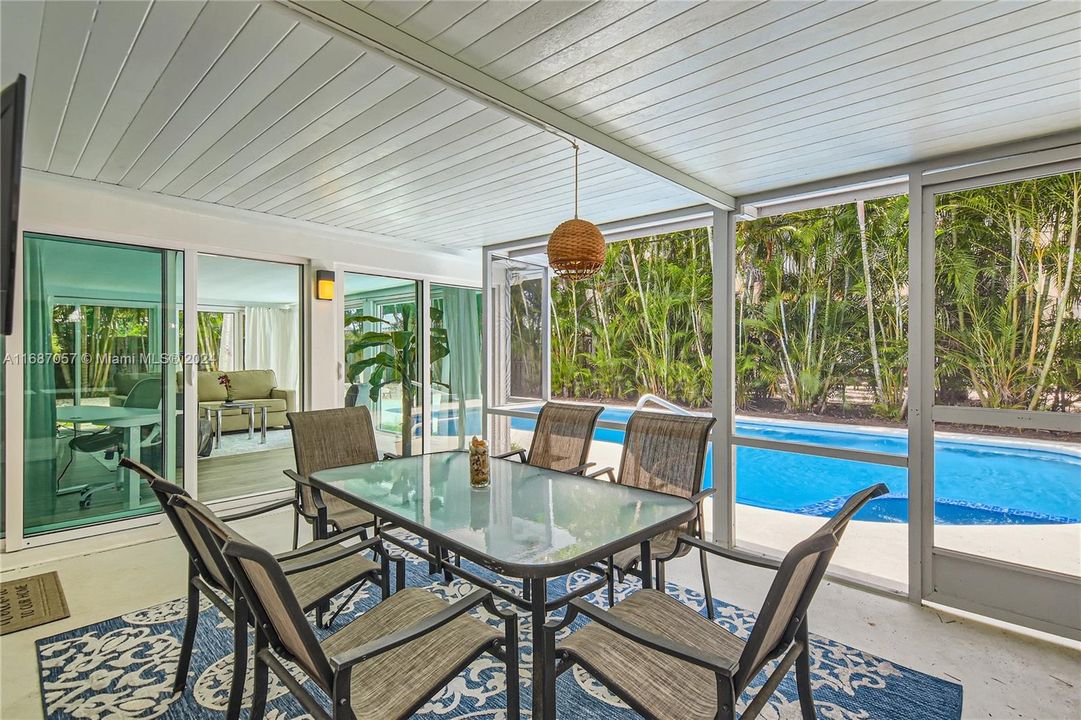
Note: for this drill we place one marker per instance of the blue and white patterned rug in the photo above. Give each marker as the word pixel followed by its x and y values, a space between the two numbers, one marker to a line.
pixel 124 667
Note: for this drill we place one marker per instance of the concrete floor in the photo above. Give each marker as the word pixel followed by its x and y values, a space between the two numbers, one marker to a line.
pixel 1005 674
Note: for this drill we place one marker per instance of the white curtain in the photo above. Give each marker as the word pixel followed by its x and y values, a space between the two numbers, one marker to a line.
pixel 272 342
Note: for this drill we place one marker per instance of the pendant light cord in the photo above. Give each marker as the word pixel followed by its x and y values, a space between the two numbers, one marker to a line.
pixel 575 181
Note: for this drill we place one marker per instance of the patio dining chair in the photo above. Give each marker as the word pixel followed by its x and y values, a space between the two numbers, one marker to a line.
pixel 665 453
pixel 561 438
pixel 669 663
pixel 317 571
pixel 387 663
pixel 325 439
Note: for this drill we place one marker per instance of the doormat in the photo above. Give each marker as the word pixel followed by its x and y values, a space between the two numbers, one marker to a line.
pixel 31 601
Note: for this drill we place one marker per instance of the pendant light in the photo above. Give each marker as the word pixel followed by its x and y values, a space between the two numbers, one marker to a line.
pixel 576 247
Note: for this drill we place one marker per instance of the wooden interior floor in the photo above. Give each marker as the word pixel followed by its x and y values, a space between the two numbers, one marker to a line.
pixel 237 475
pixel 219 478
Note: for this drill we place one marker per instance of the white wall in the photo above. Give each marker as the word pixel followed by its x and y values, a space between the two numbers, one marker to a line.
pixel 85 209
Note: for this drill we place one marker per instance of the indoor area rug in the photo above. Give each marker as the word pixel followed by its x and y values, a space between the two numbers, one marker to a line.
pixel 124 667
pixel 31 601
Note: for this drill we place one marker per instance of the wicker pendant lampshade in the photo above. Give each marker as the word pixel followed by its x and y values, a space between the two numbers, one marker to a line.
pixel 576 247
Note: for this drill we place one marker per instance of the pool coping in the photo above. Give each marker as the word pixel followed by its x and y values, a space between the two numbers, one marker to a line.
pixel 970 438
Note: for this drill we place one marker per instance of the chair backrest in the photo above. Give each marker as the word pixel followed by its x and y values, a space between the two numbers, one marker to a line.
pixel 793 588
pixel 145 394
pixel 263 585
pixel 324 439
pixel 563 435
pixel 207 563
pixel 197 521
pixel 665 452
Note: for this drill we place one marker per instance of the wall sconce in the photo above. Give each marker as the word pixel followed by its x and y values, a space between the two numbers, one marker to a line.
pixel 324 284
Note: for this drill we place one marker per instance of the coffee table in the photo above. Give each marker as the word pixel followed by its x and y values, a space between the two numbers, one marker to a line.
pixel 244 406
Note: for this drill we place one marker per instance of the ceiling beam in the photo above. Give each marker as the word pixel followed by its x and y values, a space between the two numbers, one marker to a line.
pixel 420 56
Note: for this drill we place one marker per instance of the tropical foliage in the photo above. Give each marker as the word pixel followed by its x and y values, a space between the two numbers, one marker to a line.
pixel 384 353
pixel 103 340
pixel 821 306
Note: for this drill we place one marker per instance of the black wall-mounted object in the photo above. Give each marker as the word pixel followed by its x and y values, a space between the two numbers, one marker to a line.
pixel 12 106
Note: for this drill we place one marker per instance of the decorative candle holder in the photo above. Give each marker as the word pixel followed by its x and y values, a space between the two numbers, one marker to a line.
pixel 480 474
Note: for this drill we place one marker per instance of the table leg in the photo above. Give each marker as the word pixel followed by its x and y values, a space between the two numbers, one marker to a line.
pixel 544 695
pixel 251 423
pixel 133 440
pixel 262 431
pixel 217 428
pixel 647 566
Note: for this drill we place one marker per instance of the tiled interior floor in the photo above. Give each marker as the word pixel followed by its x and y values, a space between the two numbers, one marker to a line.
pixel 1005 674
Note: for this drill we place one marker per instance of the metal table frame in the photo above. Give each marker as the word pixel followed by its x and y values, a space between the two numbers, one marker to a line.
pixel 534 577
pixel 244 406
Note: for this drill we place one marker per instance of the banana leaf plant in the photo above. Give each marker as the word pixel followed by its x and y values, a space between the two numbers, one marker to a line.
pixel 396 358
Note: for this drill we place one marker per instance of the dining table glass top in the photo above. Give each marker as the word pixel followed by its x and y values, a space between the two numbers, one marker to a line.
pixel 528 521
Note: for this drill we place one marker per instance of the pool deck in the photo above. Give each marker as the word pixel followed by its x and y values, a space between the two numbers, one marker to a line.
pixel 877 552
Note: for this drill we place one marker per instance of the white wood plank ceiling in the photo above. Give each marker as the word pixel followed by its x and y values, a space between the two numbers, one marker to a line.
pixel 251 106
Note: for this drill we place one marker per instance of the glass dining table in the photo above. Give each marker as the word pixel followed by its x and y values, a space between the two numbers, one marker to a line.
pixel 529 523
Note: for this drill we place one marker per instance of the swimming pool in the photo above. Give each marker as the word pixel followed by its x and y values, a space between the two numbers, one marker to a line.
pixel 977 481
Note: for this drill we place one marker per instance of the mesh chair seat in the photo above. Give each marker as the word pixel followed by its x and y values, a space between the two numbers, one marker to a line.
pixel 661 545
pixel 377 689
pixel 670 689
pixel 345 516
pixel 315 585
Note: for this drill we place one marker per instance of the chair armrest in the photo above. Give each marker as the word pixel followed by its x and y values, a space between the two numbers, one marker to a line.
pixel 289 396
pixel 610 472
pixel 580 469
pixel 317 494
pixel 401 637
pixel 656 642
pixel 318 545
pixel 512 453
pixel 685 539
pixel 278 505
pixel 329 559
pixel 320 507
pixel 700 496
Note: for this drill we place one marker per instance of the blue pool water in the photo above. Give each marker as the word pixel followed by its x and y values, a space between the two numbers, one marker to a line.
pixel 976 483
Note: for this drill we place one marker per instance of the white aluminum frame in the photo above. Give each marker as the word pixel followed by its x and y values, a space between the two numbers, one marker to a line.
pixel 1029 596
pixel 424 297
pixel 14 535
pixel 989 165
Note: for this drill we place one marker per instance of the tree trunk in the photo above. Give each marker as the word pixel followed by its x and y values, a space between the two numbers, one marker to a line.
pixel 1064 294
pixel 861 215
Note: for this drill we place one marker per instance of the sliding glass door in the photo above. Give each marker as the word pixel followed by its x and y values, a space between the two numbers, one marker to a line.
pixel 250 354
pixel 382 358
pixel 413 357
pixel 101 378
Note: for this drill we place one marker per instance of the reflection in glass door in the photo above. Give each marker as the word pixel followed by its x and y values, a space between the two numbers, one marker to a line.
pixel 101 329
pixel 382 358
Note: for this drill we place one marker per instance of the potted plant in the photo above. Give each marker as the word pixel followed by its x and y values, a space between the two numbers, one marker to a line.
pixel 395 360
pixel 224 380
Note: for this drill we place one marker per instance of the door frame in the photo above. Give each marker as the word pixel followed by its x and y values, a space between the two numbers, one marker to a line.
pixel 1024 595
pixel 14 536
pixel 424 297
